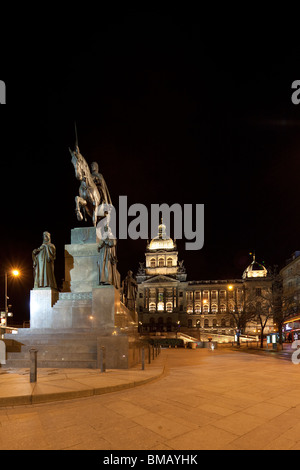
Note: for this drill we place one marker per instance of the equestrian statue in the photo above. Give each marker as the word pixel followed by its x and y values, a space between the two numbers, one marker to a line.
pixel 94 198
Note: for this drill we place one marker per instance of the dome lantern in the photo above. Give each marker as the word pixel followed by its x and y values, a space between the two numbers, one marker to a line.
pixel 255 270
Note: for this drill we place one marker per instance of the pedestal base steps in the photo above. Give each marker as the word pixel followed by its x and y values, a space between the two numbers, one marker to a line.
pixel 68 328
pixel 69 349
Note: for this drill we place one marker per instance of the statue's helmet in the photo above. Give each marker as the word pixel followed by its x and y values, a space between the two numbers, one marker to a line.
pixel 47 236
pixel 95 167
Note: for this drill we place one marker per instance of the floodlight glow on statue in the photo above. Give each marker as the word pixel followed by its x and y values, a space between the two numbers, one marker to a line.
pixel 94 199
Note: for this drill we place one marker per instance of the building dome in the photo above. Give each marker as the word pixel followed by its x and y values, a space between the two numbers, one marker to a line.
pixel 161 241
pixel 255 269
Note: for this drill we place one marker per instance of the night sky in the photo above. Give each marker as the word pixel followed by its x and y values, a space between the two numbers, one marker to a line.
pixel 174 112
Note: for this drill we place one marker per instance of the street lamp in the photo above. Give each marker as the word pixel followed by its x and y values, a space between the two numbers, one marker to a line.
pixel 14 273
pixel 177 327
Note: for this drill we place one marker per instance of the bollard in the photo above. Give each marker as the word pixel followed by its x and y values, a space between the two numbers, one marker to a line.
pixel 2 353
pixel 149 355
pixel 103 356
pixel 33 365
pixel 143 358
pixel 152 352
pixel 101 359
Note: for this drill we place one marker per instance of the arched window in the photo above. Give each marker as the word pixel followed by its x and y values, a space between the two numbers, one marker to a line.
pixel 161 262
pixel 214 308
pixel 223 323
pixel 206 323
pixel 160 324
pixel 190 323
pixel 205 308
pixel 169 307
pixel 189 309
pixel 197 308
pixel 169 262
pixel 152 324
pixel 231 308
pixel 152 263
pixel 198 323
pixel 215 323
pixel 152 307
pixel 222 308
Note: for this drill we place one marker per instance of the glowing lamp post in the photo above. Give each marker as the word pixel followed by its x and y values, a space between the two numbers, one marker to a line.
pixel 14 273
pixel 230 287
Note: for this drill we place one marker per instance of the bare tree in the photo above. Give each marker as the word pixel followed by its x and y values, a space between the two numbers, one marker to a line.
pixel 261 309
pixel 281 313
pixel 238 312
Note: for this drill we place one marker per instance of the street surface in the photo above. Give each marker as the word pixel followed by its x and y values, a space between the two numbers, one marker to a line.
pixel 221 399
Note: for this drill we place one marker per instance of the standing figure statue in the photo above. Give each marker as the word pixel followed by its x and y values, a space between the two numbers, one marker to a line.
pixel 43 263
pixel 129 291
pixel 108 260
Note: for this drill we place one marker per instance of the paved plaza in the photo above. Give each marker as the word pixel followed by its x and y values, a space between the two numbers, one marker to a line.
pixel 185 400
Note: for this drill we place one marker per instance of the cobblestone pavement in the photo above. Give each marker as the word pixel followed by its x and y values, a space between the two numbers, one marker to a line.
pixel 221 399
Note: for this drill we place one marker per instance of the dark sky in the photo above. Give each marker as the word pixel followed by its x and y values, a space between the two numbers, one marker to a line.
pixel 175 111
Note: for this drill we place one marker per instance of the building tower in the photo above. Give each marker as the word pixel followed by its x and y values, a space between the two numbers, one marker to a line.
pixel 160 281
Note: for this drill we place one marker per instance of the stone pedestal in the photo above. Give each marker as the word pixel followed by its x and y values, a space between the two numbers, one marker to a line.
pixel 67 327
pixel 96 309
pixel 41 303
pixel 105 306
pixel 81 260
pixel 83 303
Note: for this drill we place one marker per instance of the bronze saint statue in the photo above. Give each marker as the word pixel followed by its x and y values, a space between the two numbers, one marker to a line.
pixel 129 291
pixel 101 184
pixel 108 259
pixel 43 263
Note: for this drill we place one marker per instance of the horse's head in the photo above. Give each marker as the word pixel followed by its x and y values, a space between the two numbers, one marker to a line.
pixel 78 163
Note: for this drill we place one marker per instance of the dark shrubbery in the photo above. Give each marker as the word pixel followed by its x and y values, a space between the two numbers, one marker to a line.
pixel 166 342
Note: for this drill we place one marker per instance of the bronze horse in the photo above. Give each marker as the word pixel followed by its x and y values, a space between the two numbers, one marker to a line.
pixel 89 198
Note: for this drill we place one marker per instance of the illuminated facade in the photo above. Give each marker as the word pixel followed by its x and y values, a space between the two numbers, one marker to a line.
pixel 255 270
pixel 290 276
pixel 167 301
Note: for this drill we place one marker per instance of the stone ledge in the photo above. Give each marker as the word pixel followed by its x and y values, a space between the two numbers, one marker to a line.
pixel 70 384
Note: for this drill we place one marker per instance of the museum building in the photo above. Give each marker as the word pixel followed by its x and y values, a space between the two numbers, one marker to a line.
pixel 168 302
pixel 290 275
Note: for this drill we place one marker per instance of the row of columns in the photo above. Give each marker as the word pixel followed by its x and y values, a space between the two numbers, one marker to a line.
pixel 148 297
pixel 166 298
pixel 216 301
